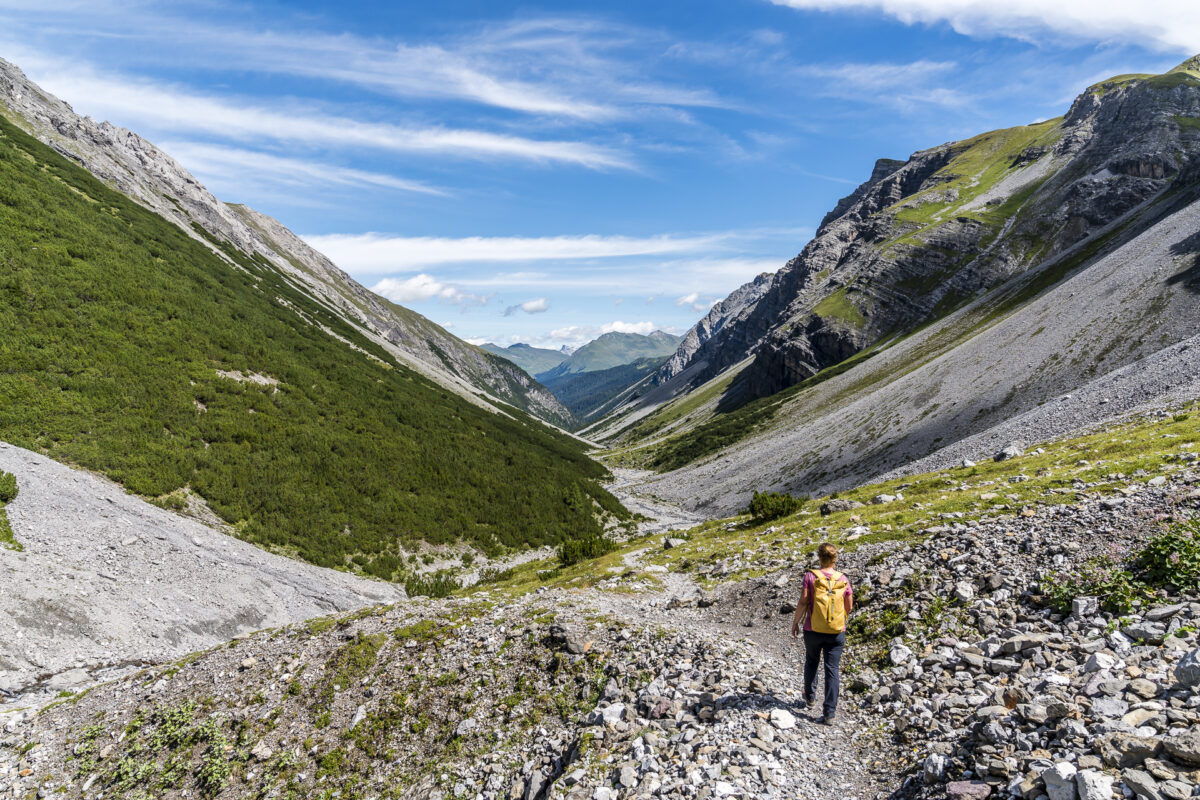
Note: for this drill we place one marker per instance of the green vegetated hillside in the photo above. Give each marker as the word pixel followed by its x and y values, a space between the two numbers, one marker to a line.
pixel 532 359
pixel 129 348
pixel 613 350
pixel 586 393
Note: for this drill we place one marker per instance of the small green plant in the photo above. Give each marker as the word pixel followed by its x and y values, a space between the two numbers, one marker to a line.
pixel 215 768
pixel 1101 577
pixel 590 546
pixel 1173 558
pixel 773 505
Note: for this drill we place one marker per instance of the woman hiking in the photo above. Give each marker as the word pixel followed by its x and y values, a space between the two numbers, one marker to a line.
pixel 826 599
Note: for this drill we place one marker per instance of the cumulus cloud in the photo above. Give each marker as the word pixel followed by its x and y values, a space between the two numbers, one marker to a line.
pixel 575 335
pixel 1172 25
pixel 423 287
pixel 536 306
pixel 693 301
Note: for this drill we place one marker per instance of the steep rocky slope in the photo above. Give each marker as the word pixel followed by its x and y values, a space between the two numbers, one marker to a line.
pixel 106 580
pixel 1068 247
pixel 923 236
pixel 141 171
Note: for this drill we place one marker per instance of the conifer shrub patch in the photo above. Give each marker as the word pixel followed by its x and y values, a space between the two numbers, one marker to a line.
pixel 8 493
pixel 766 506
pixel 573 551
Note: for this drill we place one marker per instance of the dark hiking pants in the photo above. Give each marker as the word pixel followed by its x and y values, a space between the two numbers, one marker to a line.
pixel 829 644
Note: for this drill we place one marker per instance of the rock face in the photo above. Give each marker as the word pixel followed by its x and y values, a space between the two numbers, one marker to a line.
pixel 138 169
pixel 728 312
pixel 1099 322
pixel 915 239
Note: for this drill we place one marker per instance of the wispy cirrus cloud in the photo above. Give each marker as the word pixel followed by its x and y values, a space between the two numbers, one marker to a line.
pixel 1164 24
pixel 233 162
pixel 374 253
pixel 165 107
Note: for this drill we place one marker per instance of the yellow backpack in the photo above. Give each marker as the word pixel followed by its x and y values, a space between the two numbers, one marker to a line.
pixel 829 602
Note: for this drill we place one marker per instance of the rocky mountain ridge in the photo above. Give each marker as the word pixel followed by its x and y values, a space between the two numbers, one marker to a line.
pixel 1048 263
pixel 923 235
pixel 141 171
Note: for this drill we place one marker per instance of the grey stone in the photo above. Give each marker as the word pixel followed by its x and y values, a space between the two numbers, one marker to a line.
pixel 1141 784
pixel 935 768
pixel 1011 450
pixel 1184 748
pixel 1187 671
pixel 1085 607
pixel 1092 784
pixel 1060 781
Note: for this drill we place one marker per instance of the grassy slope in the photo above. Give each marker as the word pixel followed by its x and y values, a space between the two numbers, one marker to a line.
pixel 1108 458
pixel 113 325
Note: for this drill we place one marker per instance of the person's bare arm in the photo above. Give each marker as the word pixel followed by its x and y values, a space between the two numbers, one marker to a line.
pixel 849 603
pixel 801 606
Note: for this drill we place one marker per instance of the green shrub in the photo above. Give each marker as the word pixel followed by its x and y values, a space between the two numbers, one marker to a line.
pixel 1172 559
pixel 494 575
pixel 1101 577
pixel 583 548
pixel 772 505
pixel 8 487
pixel 439 584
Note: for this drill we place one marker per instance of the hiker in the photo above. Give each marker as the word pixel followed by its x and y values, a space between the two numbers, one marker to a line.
pixel 826 599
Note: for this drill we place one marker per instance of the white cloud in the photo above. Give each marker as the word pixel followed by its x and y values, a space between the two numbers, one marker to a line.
pixel 576 335
pixel 130 101
pixel 375 254
pixel 423 287
pixel 644 328
pixel 688 299
pixel 1165 24
pixel 536 306
pixel 235 163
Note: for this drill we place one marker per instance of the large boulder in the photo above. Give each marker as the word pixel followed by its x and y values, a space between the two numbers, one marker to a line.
pixel 836 505
pixel 1010 450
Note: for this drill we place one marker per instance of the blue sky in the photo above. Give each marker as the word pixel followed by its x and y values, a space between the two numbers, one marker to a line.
pixel 547 171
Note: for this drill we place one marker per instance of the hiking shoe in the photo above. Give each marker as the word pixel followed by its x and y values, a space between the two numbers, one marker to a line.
pixel 808 702
pixel 827 720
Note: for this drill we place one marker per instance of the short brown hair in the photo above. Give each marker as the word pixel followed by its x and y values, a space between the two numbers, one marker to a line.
pixel 827 553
